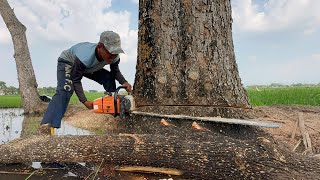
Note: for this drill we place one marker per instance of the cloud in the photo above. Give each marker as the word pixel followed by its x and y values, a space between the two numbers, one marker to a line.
pixel 135 1
pixel 54 25
pixel 5 37
pixel 276 15
pixel 64 20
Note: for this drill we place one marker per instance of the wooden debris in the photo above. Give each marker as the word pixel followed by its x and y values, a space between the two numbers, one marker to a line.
pixel 297 145
pixel 312 128
pixel 305 135
pixel 148 169
pixel 15 172
pixel 293 135
pixel 166 123
pixel 198 127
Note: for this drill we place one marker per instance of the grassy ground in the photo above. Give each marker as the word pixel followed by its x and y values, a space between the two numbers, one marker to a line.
pixel 289 95
pixel 15 100
pixel 258 97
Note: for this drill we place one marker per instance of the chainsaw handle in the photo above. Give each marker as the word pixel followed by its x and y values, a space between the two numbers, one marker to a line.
pixel 115 99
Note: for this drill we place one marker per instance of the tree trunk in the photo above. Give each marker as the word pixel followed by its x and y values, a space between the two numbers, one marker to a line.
pixel 198 155
pixel 27 80
pixel 186 56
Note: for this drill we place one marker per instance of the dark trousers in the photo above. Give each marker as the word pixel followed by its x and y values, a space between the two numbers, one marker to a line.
pixel 59 103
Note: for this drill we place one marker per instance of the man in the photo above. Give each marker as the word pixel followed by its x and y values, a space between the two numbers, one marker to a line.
pixel 84 59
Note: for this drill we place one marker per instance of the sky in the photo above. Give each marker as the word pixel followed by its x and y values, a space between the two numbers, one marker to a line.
pixel 276 41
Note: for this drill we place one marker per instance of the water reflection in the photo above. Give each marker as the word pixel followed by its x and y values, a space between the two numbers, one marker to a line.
pixel 14 125
pixel 11 124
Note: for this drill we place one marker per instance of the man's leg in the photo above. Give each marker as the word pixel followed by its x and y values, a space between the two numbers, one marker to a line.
pixel 59 103
pixel 103 77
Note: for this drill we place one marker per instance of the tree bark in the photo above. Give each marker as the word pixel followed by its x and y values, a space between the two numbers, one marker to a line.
pixel 198 155
pixel 27 80
pixel 186 55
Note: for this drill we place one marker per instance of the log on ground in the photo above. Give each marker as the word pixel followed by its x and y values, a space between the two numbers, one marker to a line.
pixel 202 155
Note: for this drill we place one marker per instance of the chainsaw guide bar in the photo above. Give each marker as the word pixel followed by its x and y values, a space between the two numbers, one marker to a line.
pixel 248 122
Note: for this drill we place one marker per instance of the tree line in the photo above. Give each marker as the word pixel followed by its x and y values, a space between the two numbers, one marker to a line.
pixel 11 90
pixel 278 85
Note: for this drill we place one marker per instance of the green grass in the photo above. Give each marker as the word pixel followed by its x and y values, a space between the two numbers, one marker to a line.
pixel 90 96
pixel 261 97
pixel 7 101
pixel 10 101
pixel 289 95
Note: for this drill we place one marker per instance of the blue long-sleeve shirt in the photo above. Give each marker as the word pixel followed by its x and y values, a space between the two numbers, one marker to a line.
pixel 84 58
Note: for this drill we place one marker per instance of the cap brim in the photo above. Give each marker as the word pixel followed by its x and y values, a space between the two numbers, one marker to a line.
pixel 117 51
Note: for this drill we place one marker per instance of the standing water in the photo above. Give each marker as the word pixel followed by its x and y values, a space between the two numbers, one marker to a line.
pixel 13 125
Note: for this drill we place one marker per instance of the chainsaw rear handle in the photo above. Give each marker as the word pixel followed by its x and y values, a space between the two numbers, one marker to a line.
pixel 115 99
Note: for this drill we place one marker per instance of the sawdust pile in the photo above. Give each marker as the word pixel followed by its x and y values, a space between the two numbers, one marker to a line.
pixel 81 117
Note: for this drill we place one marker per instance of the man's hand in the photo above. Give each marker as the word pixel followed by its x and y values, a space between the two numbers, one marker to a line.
pixel 128 86
pixel 88 104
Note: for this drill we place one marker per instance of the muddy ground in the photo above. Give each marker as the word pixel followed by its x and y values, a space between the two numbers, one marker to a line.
pixel 289 132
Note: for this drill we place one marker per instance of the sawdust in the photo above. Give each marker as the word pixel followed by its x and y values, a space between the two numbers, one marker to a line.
pixel 81 117
pixel 286 115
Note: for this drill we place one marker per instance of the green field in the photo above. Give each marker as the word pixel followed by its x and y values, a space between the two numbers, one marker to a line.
pixel 258 97
pixel 15 100
pixel 288 95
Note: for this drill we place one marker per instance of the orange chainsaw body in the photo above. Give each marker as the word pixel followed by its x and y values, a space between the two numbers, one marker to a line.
pixel 106 105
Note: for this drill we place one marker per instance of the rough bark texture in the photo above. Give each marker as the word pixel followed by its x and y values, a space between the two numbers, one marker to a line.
pixel 198 155
pixel 186 55
pixel 27 80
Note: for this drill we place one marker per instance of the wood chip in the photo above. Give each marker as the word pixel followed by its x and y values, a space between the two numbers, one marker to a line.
pixel 196 126
pixel 166 123
pixel 148 169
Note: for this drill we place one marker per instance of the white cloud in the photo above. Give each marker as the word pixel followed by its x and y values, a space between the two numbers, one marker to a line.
pixel 276 15
pixel 5 37
pixel 135 1
pixel 64 21
pixel 53 25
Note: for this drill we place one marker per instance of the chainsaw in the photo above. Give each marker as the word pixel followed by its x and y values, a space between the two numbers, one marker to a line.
pixel 118 105
pixel 122 105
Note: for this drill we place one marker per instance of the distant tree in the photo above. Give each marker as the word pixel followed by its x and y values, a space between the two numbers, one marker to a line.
pixel 47 90
pixel 93 91
pixel 297 85
pixel 27 80
pixel 2 85
pixel 11 90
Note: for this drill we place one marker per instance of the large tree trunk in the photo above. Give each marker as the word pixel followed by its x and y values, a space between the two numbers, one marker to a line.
pixel 198 155
pixel 186 56
pixel 27 80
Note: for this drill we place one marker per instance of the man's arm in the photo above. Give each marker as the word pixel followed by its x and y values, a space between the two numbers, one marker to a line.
pixel 115 71
pixel 77 74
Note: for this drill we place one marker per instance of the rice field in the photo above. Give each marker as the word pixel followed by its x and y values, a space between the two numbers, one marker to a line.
pixel 258 97
pixel 288 95
pixel 8 101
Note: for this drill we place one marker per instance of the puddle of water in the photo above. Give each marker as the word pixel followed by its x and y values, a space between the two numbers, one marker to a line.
pixel 14 125
pixel 11 124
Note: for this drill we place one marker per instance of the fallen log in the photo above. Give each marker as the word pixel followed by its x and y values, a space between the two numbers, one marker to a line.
pixel 200 154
